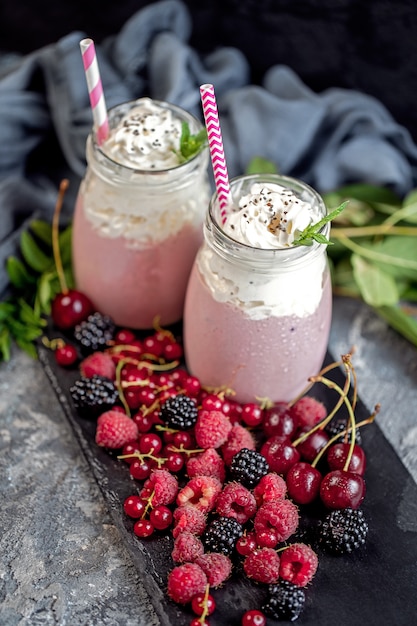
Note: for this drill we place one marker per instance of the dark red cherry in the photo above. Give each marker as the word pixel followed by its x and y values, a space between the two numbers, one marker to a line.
pixel 303 483
pixel 280 454
pixel 337 455
pixel 342 490
pixel 310 447
pixel 279 421
pixel 70 308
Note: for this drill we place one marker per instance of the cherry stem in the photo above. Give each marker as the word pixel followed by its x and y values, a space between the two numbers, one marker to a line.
pixel 331 441
pixel 205 605
pixel 55 236
pixel 321 425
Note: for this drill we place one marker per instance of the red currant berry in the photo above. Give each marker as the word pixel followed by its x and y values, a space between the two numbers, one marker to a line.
pixel 212 403
pixel 253 618
pixel 184 439
pixel 140 470
pixel 66 355
pixel 150 443
pixel 161 517
pixel 124 337
pixel 173 352
pixel 152 345
pixel 146 397
pixel 178 377
pixel 342 490
pixel 246 544
pixel 174 462
pixel 303 483
pixel 70 308
pixel 134 506
pixel 143 422
pixel 252 414
pixel 143 528
pixel 200 603
pixel 130 448
pixel 192 386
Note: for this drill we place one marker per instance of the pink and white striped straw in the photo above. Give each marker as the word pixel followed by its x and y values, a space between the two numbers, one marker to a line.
pixel 215 143
pixel 95 90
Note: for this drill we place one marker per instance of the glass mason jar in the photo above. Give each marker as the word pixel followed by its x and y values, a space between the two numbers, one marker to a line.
pixel 136 232
pixel 257 320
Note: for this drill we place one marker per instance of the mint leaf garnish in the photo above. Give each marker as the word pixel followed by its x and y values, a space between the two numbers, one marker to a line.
pixel 190 145
pixel 311 233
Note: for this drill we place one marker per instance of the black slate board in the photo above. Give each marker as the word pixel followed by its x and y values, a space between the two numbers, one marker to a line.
pixel 374 586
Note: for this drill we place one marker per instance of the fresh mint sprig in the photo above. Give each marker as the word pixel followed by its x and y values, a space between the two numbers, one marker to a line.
pixel 190 145
pixel 312 233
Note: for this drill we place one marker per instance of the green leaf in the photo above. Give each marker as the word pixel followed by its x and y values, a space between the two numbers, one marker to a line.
pixel 65 245
pixel 259 165
pixel 377 288
pixel 5 344
pixel 42 230
pixel 405 324
pixel 33 255
pixel 17 273
pixel 44 292
pixel 29 315
pixel 7 309
pixel 27 346
pixel 397 256
pixel 372 194
pixel 190 145
pixel 311 233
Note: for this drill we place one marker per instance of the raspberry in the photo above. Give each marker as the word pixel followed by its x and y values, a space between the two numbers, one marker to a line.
pixel 189 518
pixel 201 492
pixel 343 530
pixel 239 437
pixel 179 412
pixel 285 602
pixel 262 565
pixel 207 463
pixel 99 363
pixel 187 548
pixel 163 485
pixel 92 396
pixel 308 411
pixel 248 467
pixel 275 521
pixel 298 564
pixel 270 487
pixel 221 535
pixel 186 581
pixel 212 429
pixel 236 501
pixel 96 332
pixel 217 567
pixel 114 429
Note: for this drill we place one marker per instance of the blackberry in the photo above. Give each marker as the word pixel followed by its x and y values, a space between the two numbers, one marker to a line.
pixel 221 535
pixel 338 426
pixel 92 396
pixel 343 530
pixel 94 333
pixel 248 467
pixel 285 601
pixel 179 412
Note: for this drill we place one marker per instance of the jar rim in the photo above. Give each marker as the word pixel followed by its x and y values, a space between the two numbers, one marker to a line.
pixel 244 251
pixel 123 108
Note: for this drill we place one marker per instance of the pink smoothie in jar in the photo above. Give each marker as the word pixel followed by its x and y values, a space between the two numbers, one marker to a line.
pixel 258 309
pixel 138 218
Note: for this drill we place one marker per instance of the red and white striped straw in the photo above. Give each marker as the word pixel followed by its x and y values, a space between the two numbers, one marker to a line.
pixel 95 90
pixel 215 142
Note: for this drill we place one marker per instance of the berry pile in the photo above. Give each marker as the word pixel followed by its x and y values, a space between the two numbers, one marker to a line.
pixel 228 481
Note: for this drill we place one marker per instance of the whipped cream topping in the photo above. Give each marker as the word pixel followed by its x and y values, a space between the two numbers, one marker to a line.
pixel 270 216
pixel 147 137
